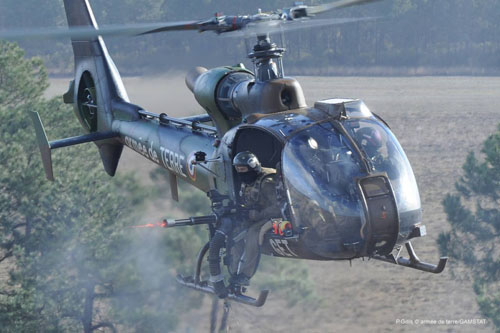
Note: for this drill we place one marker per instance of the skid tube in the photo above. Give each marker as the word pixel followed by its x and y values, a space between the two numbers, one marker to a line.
pixel 413 261
pixel 194 282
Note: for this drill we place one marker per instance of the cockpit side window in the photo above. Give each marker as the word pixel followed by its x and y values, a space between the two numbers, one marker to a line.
pixel 386 156
pixel 379 150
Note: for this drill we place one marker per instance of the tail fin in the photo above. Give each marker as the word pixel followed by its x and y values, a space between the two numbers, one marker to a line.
pixel 79 13
pixel 97 88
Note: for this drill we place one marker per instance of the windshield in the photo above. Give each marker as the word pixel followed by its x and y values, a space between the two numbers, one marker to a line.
pixel 324 159
pixel 321 170
pixel 319 167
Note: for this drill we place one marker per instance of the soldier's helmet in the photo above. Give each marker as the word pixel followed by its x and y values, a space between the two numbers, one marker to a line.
pixel 246 161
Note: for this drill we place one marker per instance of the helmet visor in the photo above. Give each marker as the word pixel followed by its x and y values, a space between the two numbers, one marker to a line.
pixel 241 168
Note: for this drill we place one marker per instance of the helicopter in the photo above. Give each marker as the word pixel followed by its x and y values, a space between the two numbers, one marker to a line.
pixel 346 189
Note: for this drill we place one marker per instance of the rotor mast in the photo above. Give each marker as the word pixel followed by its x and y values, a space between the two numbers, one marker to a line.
pixel 267 58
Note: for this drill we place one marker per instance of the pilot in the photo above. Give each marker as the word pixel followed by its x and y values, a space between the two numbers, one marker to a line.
pixel 258 197
pixel 372 143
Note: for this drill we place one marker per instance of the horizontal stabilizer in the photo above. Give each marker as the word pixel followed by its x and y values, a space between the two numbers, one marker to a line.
pixel 43 144
pixel 46 146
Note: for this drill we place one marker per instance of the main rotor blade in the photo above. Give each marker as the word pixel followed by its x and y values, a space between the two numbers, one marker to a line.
pixel 285 26
pixel 336 5
pixel 192 25
pixel 216 25
pixel 89 32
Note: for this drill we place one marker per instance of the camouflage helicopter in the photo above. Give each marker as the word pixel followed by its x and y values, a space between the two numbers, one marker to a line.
pixel 343 186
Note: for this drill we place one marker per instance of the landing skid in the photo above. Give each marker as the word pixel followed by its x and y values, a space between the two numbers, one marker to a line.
pixel 188 281
pixel 195 282
pixel 413 261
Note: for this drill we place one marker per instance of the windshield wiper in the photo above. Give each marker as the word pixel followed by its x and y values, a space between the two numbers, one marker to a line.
pixel 367 163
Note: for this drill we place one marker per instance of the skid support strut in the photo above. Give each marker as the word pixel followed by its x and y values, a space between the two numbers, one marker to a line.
pixel 413 261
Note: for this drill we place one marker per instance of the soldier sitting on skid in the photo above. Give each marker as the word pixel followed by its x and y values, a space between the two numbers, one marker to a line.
pixel 258 196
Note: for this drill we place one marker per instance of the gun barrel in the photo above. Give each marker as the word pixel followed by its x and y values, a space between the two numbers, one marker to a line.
pixel 197 220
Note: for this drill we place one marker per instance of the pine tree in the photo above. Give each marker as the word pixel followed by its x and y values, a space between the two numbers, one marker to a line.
pixel 70 258
pixel 474 216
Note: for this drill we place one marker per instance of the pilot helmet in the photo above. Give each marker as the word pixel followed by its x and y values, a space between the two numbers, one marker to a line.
pixel 370 139
pixel 246 161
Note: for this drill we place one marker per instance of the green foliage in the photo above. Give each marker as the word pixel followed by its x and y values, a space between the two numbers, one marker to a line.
pixel 488 300
pixel 20 82
pixel 73 262
pixel 289 279
pixel 474 216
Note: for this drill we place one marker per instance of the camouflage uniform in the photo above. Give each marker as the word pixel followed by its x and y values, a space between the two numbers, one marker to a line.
pixel 260 199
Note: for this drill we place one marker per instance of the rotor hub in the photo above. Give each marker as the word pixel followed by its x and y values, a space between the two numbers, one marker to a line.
pixel 267 58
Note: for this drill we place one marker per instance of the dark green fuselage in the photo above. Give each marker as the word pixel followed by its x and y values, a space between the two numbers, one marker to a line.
pixel 170 146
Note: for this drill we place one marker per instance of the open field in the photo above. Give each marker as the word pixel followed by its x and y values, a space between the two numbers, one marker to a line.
pixel 438 120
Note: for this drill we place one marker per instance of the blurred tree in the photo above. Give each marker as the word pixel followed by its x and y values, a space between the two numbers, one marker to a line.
pixel 72 262
pixel 474 239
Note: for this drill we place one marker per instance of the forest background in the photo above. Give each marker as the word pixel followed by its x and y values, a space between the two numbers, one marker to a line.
pixel 408 36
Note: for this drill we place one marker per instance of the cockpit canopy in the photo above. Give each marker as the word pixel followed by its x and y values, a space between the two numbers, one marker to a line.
pixel 325 151
pixel 321 166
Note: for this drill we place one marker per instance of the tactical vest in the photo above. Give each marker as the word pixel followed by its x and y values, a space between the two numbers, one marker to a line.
pixel 250 193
